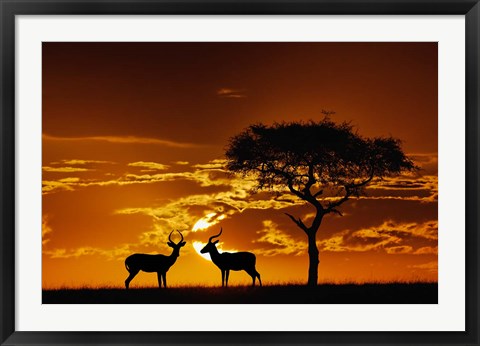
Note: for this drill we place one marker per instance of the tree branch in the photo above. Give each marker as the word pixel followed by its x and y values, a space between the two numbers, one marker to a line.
pixel 336 212
pixel 298 222
pixel 293 190
pixel 311 178
pixel 331 206
pixel 363 183
pixel 349 190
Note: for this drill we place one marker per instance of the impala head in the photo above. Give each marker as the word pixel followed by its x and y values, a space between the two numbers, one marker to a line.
pixel 178 245
pixel 211 245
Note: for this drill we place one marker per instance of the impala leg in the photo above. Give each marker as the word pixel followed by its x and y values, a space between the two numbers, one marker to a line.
pixel 164 275
pixel 252 274
pixel 159 278
pixel 130 278
pixel 226 277
pixel 258 276
pixel 223 278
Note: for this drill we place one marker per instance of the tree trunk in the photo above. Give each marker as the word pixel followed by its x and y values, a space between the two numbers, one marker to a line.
pixel 313 258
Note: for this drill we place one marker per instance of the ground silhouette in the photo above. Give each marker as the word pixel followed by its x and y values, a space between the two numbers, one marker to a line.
pixel 373 293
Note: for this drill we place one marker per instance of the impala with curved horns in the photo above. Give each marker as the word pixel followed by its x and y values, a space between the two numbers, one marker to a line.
pixel 227 261
pixel 154 263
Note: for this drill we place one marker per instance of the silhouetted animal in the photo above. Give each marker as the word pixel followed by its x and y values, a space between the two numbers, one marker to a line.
pixel 153 263
pixel 227 261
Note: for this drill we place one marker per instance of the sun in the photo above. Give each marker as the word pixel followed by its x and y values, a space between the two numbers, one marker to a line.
pixel 207 221
pixel 201 224
pixel 198 245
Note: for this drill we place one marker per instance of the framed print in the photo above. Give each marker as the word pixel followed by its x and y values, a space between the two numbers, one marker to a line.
pixel 239 173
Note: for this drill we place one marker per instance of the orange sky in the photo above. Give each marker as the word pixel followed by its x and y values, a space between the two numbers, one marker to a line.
pixel 133 143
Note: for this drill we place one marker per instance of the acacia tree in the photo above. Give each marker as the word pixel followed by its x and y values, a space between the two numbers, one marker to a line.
pixel 321 163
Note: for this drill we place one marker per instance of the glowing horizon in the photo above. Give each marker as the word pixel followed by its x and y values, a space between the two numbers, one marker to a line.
pixel 134 136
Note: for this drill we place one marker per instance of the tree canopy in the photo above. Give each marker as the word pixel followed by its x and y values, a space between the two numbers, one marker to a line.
pixel 311 157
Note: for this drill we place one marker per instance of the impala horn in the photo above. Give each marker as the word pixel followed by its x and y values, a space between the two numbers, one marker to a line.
pixel 181 235
pixel 214 236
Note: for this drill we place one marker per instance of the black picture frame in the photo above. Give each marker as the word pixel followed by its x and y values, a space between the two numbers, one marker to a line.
pixel 10 8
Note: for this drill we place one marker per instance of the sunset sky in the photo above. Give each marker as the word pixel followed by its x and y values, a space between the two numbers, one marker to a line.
pixel 134 136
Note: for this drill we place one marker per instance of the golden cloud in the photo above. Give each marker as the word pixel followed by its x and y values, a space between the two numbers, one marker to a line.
pixel 280 242
pixel 213 164
pixel 49 186
pixel 118 253
pixel 178 214
pixel 395 250
pixel 428 162
pixel 46 229
pixel 389 237
pixel 427 250
pixel 150 166
pixel 212 174
pixel 429 266
pixel 65 169
pixel 156 239
pixel 393 187
pixel 76 162
pixel 125 140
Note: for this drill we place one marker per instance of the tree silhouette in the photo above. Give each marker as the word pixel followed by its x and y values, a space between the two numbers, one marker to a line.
pixel 322 163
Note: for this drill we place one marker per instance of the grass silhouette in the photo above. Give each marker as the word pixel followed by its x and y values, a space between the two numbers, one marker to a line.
pixel 327 293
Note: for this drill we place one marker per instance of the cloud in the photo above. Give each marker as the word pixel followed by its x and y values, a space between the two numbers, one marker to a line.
pixel 204 177
pixel 410 186
pixel 153 241
pixel 46 230
pixel 65 169
pixel 213 164
pixel 158 237
pixel 125 140
pixel 213 173
pixel 73 166
pixel 427 230
pixel 151 166
pixel 428 162
pixel 75 162
pixel 280 243
pixel 389 237
pixel 395 250
pixel 429 266
pixel 208 176
pixel 181 163
pixel 427 250
pixel 118 253
pixel 231 93
pixel 233 194
pixel 50 186
pixel 185 212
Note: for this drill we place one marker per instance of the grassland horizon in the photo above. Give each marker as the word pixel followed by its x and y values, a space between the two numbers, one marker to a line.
pixel 327 293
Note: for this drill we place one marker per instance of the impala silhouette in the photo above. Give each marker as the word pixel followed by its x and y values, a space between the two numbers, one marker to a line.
pixel 227 261
pixel 153 263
